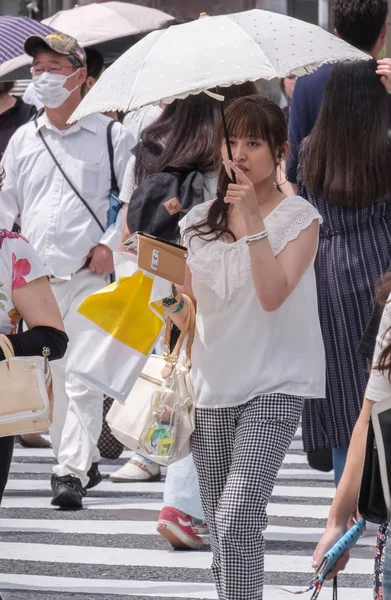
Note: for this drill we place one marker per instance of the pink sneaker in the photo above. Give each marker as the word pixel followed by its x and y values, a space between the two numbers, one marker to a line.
pixel 202 529
pixel 177 528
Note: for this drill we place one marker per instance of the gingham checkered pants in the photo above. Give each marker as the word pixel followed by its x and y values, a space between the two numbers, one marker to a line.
pixel 238 452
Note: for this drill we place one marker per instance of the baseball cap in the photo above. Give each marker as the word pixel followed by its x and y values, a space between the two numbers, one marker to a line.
pixel 58 42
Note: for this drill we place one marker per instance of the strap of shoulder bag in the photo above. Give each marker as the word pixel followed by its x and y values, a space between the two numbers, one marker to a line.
pixel 110 147
pixel 6 346
pixel 188 329
pixel 68 180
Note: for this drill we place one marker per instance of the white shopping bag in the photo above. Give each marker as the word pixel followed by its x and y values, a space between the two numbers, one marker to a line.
pixel 120 326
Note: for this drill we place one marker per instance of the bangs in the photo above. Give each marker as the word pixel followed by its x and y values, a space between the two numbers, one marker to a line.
pixel 247 120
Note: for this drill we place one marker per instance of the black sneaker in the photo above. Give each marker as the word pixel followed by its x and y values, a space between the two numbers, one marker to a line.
pixel 95 476
pixel 67 492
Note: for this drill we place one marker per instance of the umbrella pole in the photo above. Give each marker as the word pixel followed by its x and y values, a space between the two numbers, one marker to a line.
pixel 226 136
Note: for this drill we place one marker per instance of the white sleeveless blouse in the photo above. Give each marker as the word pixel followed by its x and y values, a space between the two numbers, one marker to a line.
pixel 240 351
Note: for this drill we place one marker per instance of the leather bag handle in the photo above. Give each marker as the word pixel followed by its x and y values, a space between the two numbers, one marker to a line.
pixel 6 347
pixel 188 329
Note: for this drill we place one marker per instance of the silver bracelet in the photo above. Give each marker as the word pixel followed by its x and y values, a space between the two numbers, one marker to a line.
pixel 252 239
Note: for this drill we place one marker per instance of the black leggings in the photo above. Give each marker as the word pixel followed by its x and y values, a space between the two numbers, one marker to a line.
pixel 6 450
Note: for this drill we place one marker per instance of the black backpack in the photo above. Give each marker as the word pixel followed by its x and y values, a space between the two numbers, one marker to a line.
pixel 162 199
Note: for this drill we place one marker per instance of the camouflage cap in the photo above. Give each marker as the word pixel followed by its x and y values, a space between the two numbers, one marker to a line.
pixel 58 42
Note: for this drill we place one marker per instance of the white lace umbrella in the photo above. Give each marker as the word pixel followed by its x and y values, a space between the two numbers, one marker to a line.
pixel 213 51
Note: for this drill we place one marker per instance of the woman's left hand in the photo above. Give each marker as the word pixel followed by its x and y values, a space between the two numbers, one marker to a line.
pixel 242 194
pixel 384 70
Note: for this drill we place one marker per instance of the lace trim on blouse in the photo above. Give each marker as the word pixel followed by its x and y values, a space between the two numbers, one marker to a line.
pixel 224 267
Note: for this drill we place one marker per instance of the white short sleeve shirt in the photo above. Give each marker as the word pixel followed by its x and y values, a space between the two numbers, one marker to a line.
pixel 240 351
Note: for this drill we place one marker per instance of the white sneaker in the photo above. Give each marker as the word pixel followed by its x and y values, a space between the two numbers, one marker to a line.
pixel 136 469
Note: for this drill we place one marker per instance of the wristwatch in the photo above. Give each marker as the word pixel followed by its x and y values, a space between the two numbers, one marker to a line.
pixel 173 299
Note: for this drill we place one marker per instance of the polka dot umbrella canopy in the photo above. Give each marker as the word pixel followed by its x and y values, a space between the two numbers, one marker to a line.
pixel 213 51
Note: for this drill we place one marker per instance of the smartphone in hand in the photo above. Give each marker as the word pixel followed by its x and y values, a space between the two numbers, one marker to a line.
pixel 159 257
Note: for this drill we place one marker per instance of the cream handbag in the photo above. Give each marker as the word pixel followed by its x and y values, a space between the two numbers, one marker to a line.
pixel 26 399
pixel 157 419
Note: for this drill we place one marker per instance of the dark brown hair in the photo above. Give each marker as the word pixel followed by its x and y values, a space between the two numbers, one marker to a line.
pixel 252 116
pixel 6 86
pixel 185 132
pixel 347 157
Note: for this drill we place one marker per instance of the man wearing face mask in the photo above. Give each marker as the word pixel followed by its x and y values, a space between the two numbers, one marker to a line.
pixel 58 182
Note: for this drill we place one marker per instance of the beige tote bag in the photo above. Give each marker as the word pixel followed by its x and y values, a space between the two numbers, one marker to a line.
pixel 26 397
pixel 157 419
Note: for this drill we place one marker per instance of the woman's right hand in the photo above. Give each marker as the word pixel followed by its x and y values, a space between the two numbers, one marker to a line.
pixel 331 535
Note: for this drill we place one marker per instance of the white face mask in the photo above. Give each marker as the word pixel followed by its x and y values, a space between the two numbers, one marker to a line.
pixel 49 88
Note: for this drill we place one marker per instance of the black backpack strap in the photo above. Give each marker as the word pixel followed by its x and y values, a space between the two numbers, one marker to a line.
pixel 35 116
pixel 110 147
pixel 68 180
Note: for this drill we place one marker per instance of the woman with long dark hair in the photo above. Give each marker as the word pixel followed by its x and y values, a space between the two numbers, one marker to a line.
pixel 182 137
pixel 345 173
pixel 258 348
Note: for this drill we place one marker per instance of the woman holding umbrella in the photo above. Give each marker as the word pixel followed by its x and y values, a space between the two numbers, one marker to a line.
pixel 250 271
pixel 182 135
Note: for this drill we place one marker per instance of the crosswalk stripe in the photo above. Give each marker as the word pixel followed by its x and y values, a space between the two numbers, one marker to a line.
pixel 48 453
pixel 152 487
pixel 114 535
pixel 105 469
pixel 89 555
pixel 202 591
pixel 109 527
pixel 305 511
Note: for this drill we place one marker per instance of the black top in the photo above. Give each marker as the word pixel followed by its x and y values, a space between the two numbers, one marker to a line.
pixel 12 119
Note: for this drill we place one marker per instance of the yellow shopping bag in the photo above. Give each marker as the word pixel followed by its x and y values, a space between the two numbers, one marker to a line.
pixel 122 309
pixel 120 326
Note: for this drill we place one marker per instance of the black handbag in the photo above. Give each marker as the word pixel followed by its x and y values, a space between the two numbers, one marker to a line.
pixel 163 198
pixel 374 502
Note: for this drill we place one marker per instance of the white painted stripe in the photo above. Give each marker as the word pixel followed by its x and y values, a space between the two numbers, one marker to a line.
pixel 305 474
pixel 296 445
pixel 303 492
pixel 305 511
pixel 202 591
pixel 297 459
pixel 82 527
pixel 272 533
pixel 136 557
pixel 23 467
pixel 285 473
pixel 35 485
pixel 89 503
pixel 48 453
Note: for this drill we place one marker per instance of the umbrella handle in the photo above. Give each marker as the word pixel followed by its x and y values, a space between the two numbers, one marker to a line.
pixel 226 136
